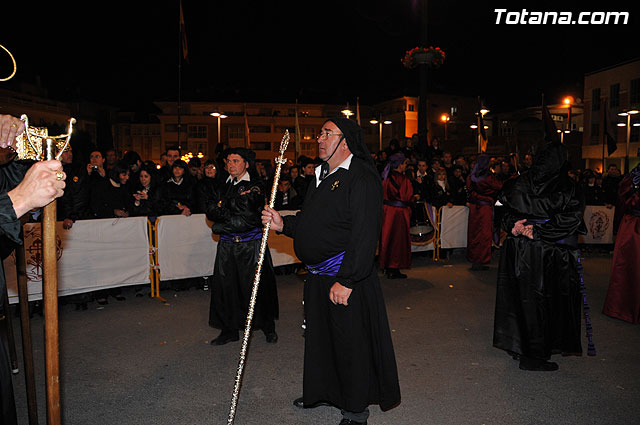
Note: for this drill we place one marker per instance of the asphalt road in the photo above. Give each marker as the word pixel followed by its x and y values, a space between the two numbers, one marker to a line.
pixel 141 361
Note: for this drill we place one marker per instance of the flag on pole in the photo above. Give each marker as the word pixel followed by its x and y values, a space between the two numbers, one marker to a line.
pixel 609 133
pixel 482 134
pixel 183 33
pixel 358 110
pixel 298 135
pixel 247 138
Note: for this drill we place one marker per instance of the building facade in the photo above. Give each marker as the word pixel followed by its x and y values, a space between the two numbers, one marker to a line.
pixel 610 92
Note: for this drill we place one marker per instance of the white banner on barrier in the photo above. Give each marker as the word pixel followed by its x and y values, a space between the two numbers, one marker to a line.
pixel 599 222
pixel 453 226
pixel 92 255
pixel 187 248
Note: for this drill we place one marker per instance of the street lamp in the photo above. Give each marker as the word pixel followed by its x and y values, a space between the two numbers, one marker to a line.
pixel 380 123
pixel 347 112
pixel 628 125
pixel 445 118
pixel 219 116
pixel 568 102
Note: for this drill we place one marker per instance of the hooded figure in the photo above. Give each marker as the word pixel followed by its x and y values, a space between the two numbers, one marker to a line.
pixel 349 360
pixel 623 296
pixel 395 241
pixel 538 301
pixel 482 189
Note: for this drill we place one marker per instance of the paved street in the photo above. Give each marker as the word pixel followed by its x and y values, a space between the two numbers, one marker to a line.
pixel 140 361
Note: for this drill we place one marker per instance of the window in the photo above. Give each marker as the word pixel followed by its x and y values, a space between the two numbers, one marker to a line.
pixel 634 92
pixel 454 111
pixel 198 131
pixel 595 133
pixel 595 99
pixel 614 95
pixel 411 107
pixel 308 133
pixel 259 129
pixel 261 146
pixel 236 132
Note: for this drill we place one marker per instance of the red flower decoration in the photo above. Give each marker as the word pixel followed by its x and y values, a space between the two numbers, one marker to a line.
pixel 433 57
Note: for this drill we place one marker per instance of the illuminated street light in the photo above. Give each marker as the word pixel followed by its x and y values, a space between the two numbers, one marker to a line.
pixel 380 122
pixel 347 112
pixel 628 125
pixel 220 116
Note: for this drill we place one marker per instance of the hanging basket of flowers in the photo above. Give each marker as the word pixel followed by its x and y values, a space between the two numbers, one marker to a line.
pixel 432 57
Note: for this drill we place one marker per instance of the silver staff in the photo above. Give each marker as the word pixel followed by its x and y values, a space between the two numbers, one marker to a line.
pixel 256 280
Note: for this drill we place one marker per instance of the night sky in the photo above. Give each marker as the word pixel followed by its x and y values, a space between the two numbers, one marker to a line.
pixel 126 55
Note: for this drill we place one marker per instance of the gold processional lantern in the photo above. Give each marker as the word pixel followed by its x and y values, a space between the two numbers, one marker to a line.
pixel 31 143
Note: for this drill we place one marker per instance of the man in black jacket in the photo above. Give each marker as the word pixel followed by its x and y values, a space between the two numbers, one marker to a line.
pixel 237 219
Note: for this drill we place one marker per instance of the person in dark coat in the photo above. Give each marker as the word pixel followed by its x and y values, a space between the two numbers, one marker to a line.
pixel 482 189
pixel 623 296
pixel 236 218
pixel 395 241
pixel 146 193
pixel 538 301
pixel 207 187
pixel 110 197
pixel 178 192
pixel 74 204
pixel 21 190
pixel 349 359
pixel 286 197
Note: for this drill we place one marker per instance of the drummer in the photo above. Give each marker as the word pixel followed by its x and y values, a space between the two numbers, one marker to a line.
pixel 395 242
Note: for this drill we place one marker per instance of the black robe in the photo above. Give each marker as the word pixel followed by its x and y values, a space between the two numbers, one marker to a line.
pixel 236 262
pixel 349 359
pixel 538 301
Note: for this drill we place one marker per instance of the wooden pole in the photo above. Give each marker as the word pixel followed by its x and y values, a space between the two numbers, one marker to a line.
pixel 27 347
pixel 11 340
pixel 50 293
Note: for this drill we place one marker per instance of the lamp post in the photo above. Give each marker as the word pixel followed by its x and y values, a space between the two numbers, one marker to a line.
pixel 483 111
pixel 628 125
pixel 347 112
pixel 568 102
pixel 219 116
pixel 380 123
pixel 445 118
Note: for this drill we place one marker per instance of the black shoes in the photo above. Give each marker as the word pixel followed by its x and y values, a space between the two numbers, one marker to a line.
pixel 345 421
pixel 272 337
pixel 225 337
pixel 395 274
pixel 299 402
pixel 537 365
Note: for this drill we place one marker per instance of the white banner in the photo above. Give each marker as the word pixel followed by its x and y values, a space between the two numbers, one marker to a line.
pixel 599 222
pixel 453 226
pixel 187 247
pixel 92 255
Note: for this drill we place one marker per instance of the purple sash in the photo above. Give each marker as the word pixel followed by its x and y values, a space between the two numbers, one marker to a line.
pixel 251 235
pixel 328 267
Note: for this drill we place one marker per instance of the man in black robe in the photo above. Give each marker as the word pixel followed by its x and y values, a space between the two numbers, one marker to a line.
pixel 538 301
pixel 21 190
pixel 237 219
pixel 349 360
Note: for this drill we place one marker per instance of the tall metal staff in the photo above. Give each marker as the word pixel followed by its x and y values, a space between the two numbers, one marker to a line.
pixel 280 160
pixel 36 144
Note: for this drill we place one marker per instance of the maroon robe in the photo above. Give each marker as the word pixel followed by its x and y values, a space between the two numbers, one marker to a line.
pixel 395 242
pixel 623 296
pixel 482 196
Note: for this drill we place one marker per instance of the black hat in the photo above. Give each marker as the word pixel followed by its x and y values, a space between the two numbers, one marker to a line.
pixel 355 140
pixel 246 154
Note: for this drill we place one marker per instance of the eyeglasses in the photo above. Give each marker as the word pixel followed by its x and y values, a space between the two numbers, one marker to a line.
pixel 327 134
pixel 210 167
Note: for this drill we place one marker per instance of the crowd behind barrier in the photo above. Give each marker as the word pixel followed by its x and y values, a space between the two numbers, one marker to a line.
pixel 107 215
pixel 109 253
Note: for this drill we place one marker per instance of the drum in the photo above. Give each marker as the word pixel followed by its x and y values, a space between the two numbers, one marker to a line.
pixel 421 229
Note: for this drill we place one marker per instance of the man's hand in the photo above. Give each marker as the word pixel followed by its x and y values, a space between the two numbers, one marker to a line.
pixel 10 128
pixel 271 215
pixel 67 224
pixel 339 294
pixel 185 210
pixel 518 227
pixel 39 187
